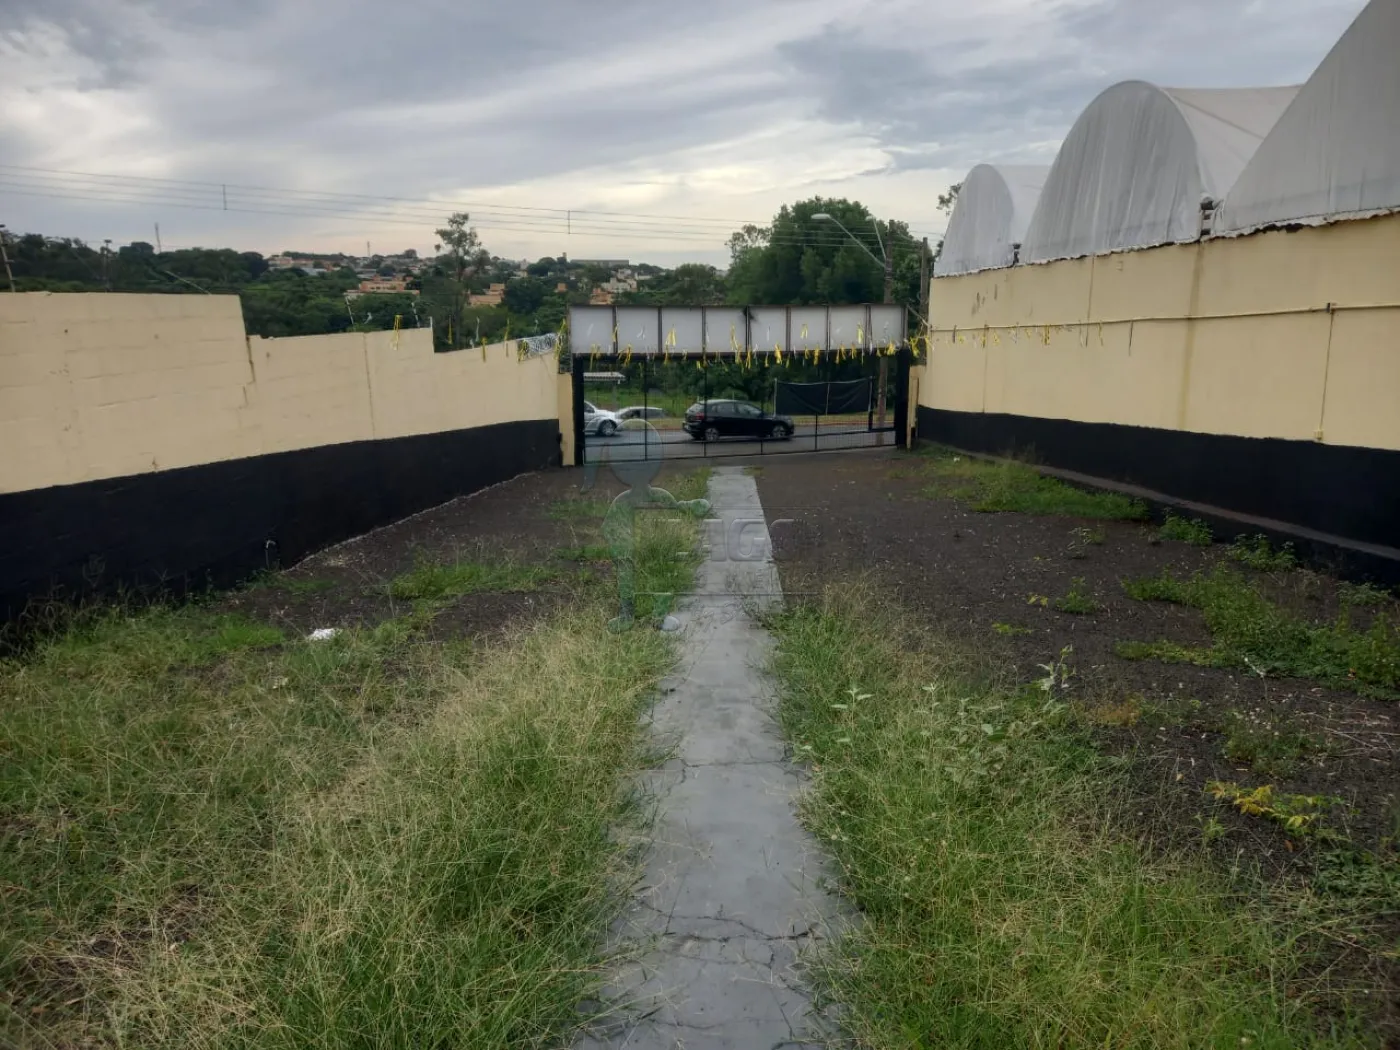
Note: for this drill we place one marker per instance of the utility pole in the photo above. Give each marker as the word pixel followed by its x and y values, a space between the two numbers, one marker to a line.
pixel 159 251
pixel 923 284
pixel 106 261
pixel 884 370
pixel 5 255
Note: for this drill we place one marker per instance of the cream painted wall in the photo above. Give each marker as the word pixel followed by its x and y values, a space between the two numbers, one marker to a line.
pixel 1288 334
pixel 108 385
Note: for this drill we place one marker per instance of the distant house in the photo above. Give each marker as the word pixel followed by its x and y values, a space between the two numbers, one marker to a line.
pixel 491 297
pixel 600 297
pixel 378 284
pixel 561 287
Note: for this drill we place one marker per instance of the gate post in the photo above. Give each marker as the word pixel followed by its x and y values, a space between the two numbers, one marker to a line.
pixel 580 364
pixel 903 358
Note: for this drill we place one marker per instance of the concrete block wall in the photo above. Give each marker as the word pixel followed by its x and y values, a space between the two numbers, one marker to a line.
pixel 98 386
pixel 1260 374
pixel 150 443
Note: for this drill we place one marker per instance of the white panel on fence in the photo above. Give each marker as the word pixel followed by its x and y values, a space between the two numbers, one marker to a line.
pixel 724 329
pixel 808 328
pixel 888 325
pixel 768 327
pixel 590 329
pixel 637 329
pixel 849 326
pixel 682 329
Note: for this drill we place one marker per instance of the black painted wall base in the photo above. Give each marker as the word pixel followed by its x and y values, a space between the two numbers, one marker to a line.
pixel 1346 491
pixel 216 524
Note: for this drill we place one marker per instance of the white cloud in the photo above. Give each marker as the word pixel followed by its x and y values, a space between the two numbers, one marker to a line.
pixel 718 113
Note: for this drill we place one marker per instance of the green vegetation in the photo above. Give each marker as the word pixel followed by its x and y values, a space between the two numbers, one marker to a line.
pixel 1008 630
pixel 1195 532
pixel 1363 595
pixel 1084 538
pixel 1005 485
pixel 214 837
pixel 1251 632
pixel 976 830
pixel 1269 742
pixel 591 552
pixel 433 581
pixel 1257 553
pixel 1077 600
pixel 1299 815
pixel 578 507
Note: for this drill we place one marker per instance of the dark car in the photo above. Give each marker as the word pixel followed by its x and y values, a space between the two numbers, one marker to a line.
pixel 712 420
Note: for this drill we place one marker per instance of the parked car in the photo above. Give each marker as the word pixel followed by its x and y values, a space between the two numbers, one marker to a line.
pixel 599 420
pixel 640 412
pixel 712 420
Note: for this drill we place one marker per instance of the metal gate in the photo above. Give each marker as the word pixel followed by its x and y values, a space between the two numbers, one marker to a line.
pixel 737 404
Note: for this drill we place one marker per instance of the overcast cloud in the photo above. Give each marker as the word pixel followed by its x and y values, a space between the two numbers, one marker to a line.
pixel 716 113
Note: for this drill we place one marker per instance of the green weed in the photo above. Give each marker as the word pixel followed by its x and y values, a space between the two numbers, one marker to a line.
pixel 1083 539
pixel 1362 595
pixel 1269 742
pixel 1299 815
pixel 573 509
pixel 431 581
pixel 974 829
pixel 1077 600
pixel 1007 630
pixel 1251 632
pixel 1195 532
pixel 992 486
pixel 593 552
pixel 1257 553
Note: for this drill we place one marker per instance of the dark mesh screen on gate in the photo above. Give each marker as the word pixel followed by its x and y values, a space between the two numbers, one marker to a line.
pixel 821 399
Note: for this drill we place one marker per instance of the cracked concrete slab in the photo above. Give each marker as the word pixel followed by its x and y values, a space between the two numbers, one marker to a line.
pixel 732 893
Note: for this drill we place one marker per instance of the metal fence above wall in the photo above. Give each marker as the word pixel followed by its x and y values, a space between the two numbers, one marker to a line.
pixel 719 330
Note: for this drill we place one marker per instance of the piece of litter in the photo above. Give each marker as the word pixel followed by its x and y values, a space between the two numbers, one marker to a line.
pixel 323 634
pixel 670 624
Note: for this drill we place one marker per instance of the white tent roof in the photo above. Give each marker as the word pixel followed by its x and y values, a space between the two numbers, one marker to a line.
pixel 991 215
pixel 1135 166
pixel 1336 151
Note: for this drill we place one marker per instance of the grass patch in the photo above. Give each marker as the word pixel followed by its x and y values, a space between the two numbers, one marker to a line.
pixel 1363 595
pixel 1258 553
pixel 591 552
pixel 1077 600
pixel 974 827
pixel 1195 531
pixel 374 841
pixel 991 486
pixel 1269 743
pixel 429 581
pixel 1250 631
pixel 1010 630
pixel 575 509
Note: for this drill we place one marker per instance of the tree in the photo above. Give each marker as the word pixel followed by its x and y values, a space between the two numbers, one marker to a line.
pixel 524 295
pixel 462 255
pixel 947 200
pixel 801 259
pixel 691 284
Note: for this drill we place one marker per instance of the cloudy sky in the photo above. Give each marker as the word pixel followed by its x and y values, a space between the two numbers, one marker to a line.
pixel 645 129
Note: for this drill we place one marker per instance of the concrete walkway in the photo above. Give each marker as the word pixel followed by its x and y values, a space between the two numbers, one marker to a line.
pixel 731 892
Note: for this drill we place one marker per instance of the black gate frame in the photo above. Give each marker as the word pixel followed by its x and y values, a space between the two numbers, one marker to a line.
pixel 902 359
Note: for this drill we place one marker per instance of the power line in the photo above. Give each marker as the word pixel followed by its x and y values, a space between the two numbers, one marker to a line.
pixel 132 189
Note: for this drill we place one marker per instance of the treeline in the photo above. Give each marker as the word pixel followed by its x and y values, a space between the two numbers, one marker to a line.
pixel 815 251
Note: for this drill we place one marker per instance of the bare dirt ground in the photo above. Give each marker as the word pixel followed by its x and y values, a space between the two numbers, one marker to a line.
pixel 993 579
pixel 537 520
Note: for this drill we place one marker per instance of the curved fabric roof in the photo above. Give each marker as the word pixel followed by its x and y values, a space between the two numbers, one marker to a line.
pixel 1336 150
pixel 1134 168
pixel 990 217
